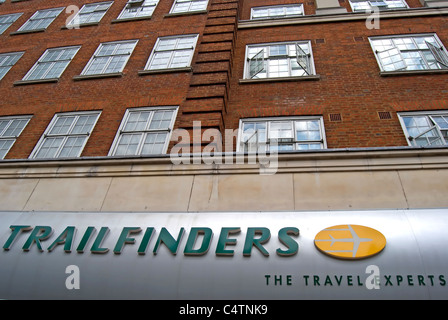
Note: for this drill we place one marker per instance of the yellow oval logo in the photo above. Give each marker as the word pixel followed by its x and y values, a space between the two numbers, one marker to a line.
pixel 350 241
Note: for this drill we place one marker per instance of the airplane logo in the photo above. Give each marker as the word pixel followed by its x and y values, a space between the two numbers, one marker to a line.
pixel 350 241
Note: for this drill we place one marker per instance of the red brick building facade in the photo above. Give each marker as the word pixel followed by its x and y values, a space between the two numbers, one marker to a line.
pixel 358 102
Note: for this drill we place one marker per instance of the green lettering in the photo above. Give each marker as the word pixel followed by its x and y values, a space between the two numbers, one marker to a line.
pixel 85 239
pixel 123 238
pixel 166 238
pixel 224 240
pixel 328 281
pixel 250 242
pixel 442 280
pixel 96 247
pixel 206 240
pixel 65 238
pixel 16 230
pixel 38 234
pixel 284 237
pixel 349 280
pixel 146 238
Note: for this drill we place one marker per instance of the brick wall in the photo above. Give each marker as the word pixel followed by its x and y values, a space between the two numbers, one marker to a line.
pixel 349 84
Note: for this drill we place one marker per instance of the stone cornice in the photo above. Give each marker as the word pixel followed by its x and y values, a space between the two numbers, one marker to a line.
pixel 330 160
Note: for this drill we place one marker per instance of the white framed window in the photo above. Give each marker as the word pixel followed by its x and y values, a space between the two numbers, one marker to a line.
pixel 380 4
pixel 275 12
pixel 110 57
pixel 409 52
pixel 282 133
pixel 90 13
pixel 138 8
pixel 10 129
pixel 172 52
pixel 7 60
pixel 52 63
pixel 188 6
pixel 287 59
pixel 144 131
pixel 66 135
pixel 41 19
pixel 425 128
pixel 6 20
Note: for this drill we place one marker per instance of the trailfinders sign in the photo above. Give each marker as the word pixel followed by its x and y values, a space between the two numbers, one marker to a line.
pixel 234 255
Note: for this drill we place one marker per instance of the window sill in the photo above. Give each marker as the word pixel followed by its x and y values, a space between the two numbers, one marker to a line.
pixel 98 76
pixel 77 26
pixel 177 14
pixel 27 82
pixel 301 78
pixel 169 70
pixel 131 19
pixel 412 72
pixel 27 31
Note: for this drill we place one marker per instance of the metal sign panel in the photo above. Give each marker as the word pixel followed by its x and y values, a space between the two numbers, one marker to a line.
pixel 217 255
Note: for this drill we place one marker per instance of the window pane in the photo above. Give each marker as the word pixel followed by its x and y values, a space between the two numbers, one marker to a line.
pixel 62 125
pixel 137 121
pixel 115 64
pixel 154 143
pixel 5 145
pixel 49 147
pixel 161 120
pixel 84 124
pixel 97 66
pixel 128 144
pixel 180 59
pixel 72 147
pixel 442 121
pixel 160 60
pixel 16 126
pixel 281 130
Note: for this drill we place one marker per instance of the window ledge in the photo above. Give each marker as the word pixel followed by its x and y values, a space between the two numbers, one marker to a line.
pixel 98 76
pixel 412 72
pixel 131 19
pixel 301 78
pixel 77 26
pixel 26 82
pixel 27 31
pixel 168 70
pixel 190 13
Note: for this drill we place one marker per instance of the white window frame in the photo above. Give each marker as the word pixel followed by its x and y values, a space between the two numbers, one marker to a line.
pixel 381 5
pixel 5 65
pixel 138 6
pixel 173 51
pixel 435 129
pixel 51 63
pixel 264 55
pixel 288 141
pixel 32 18
pixel 65 137
pixel 76 19
pixel 110 57
pixel 285 15
pixel 397 53
pixel 145 131
pixel 190 7
pixel 12 138
pixel 13 16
